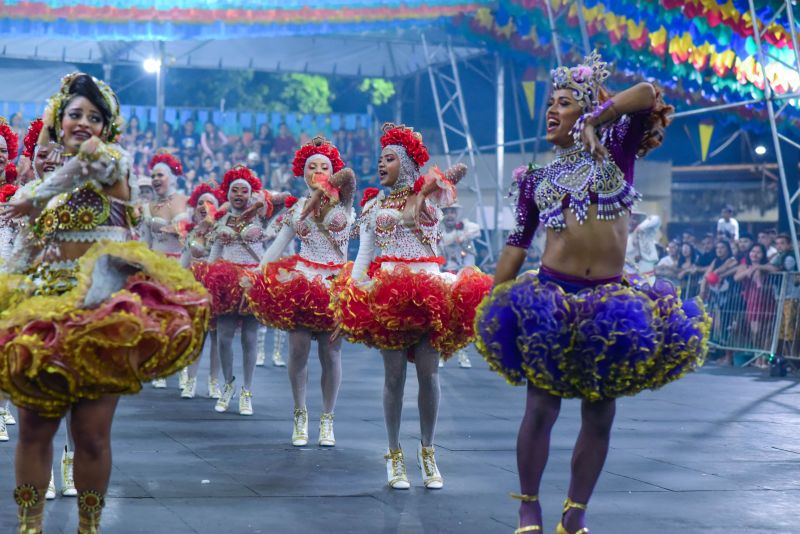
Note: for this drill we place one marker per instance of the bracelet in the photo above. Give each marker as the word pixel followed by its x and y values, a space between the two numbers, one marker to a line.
pixel 599 110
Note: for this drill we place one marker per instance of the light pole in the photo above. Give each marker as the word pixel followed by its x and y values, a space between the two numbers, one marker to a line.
pixel 155 65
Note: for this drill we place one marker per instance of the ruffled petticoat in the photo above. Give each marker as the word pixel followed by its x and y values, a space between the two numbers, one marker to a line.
pixel 406 301
pixel 226 282
pixel 294 293
pixel 119 316
pixel 598 342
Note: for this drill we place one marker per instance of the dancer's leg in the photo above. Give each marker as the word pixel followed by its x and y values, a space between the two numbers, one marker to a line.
pixel 589 456
pixel 533 448
pixel 394 382
pixel 34 463
pixel 427 363
pixel 250 326
pixel 330 358
pixel 226 328
pixel 299 348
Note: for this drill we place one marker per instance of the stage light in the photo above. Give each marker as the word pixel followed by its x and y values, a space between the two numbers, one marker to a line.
pixel 151 65
pixel 761 150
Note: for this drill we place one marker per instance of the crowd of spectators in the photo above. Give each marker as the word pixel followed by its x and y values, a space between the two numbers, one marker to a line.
pixel 206 153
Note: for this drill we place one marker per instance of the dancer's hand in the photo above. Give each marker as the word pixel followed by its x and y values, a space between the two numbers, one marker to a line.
pixel 312 205
pixel 418 208
pixel 16 208
pixel 337 333
pixel 592 144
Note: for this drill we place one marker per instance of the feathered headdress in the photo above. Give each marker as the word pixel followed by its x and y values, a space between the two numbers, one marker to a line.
pixel 407 138
pixel 205 189
pixel 318 145
pixel 169 160
pixel 240 172
pixel 584 80
pixel 32 138
pixel 12 141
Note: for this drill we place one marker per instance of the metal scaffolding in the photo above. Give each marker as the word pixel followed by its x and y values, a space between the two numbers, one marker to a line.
pixel 451 112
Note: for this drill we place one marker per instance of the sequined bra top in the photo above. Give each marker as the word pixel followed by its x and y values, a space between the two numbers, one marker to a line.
pixel 241 243
pixel 574 181
pixel 85 214
pixel 324 241
pixel 384 216
pixel 164 241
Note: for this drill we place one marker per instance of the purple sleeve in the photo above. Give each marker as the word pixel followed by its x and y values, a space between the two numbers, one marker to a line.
pixel 526 213
pixel 622 140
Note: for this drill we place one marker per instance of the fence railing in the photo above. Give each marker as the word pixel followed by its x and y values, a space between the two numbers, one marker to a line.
pixel 757 315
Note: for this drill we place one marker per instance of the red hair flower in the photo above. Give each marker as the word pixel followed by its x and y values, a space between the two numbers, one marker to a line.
pixel 408 139
pixel 32 138
pixel 170 161
pixel 204 189
pixel 11 173
pixel 240 172
pixel 419 184
pixel 7 191
pixel 318 145
pixel 220 214
pixel 12 141
pixel 369 194
pixel 290 201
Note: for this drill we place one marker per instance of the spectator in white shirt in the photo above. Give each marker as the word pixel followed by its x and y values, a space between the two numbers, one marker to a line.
pixel 728 225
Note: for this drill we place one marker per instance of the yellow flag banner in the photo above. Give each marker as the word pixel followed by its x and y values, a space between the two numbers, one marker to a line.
pixel 706 131
pixel 529 87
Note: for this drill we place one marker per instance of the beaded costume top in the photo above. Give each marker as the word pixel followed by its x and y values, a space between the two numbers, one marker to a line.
pixel 320 242
pixel 238 241
pixel 160 240
pixel 573 181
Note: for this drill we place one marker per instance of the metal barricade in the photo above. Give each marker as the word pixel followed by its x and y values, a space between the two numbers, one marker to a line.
pixel 756 315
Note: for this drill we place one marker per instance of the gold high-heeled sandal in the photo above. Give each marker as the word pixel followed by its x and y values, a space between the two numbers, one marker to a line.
pixel 526 498
pixel 569 503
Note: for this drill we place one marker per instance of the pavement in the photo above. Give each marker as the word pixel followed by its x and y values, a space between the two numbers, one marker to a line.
pixel 718 451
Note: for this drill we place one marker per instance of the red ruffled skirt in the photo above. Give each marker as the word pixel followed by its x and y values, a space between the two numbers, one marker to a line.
pixel 288 298
pixel 224 281
pixel 398 308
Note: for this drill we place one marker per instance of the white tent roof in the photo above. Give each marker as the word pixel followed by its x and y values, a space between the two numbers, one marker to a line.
pixel 370 55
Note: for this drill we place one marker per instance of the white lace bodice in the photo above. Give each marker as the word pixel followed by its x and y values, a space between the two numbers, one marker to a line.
pixel 320 242
pixel 383 232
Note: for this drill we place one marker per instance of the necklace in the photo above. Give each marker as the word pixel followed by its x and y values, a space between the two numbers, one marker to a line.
pixel 160 203
pixel 397 198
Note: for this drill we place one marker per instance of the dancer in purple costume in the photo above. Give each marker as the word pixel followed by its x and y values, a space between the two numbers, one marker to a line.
pixel 576 329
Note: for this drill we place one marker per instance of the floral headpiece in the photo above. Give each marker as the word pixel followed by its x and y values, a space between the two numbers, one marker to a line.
pixel 169 160
pixel 584 80
pixel 408 139
pixel 56 103
pixel 205 189
pixel 12 141
pixel 11 173
pixel 240 172
pixel 7 191
pixel 32 138
pixel 318 145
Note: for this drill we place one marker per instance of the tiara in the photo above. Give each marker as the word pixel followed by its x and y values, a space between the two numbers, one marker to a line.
pixel 584 80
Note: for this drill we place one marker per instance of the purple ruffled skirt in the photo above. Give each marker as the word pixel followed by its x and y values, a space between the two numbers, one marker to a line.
pixel 590 339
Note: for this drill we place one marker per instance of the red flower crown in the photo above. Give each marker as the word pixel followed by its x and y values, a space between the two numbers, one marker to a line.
pixel 204 189
pixel 408 139
pixel 7 191
pixel 369 194
pixel 318 145
pixel 240 172
pixel 12 141
pixel 170 161
pixel 11 173
pixel 31 138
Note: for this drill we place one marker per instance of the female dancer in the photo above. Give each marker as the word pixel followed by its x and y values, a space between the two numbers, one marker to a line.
pixel 292 294
pixel 96 313
pixel 400 301
pixel 237 246
pixel 576 329
pixel 9 143
pixel 161 218
pixel 195 256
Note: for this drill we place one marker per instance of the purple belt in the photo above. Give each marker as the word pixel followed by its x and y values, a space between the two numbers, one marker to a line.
pixel 573 284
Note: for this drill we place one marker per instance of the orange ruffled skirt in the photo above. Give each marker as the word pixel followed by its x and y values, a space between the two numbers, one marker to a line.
pixel 223 280
pixel 398 308
pixel 56 350
pixel 287 298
